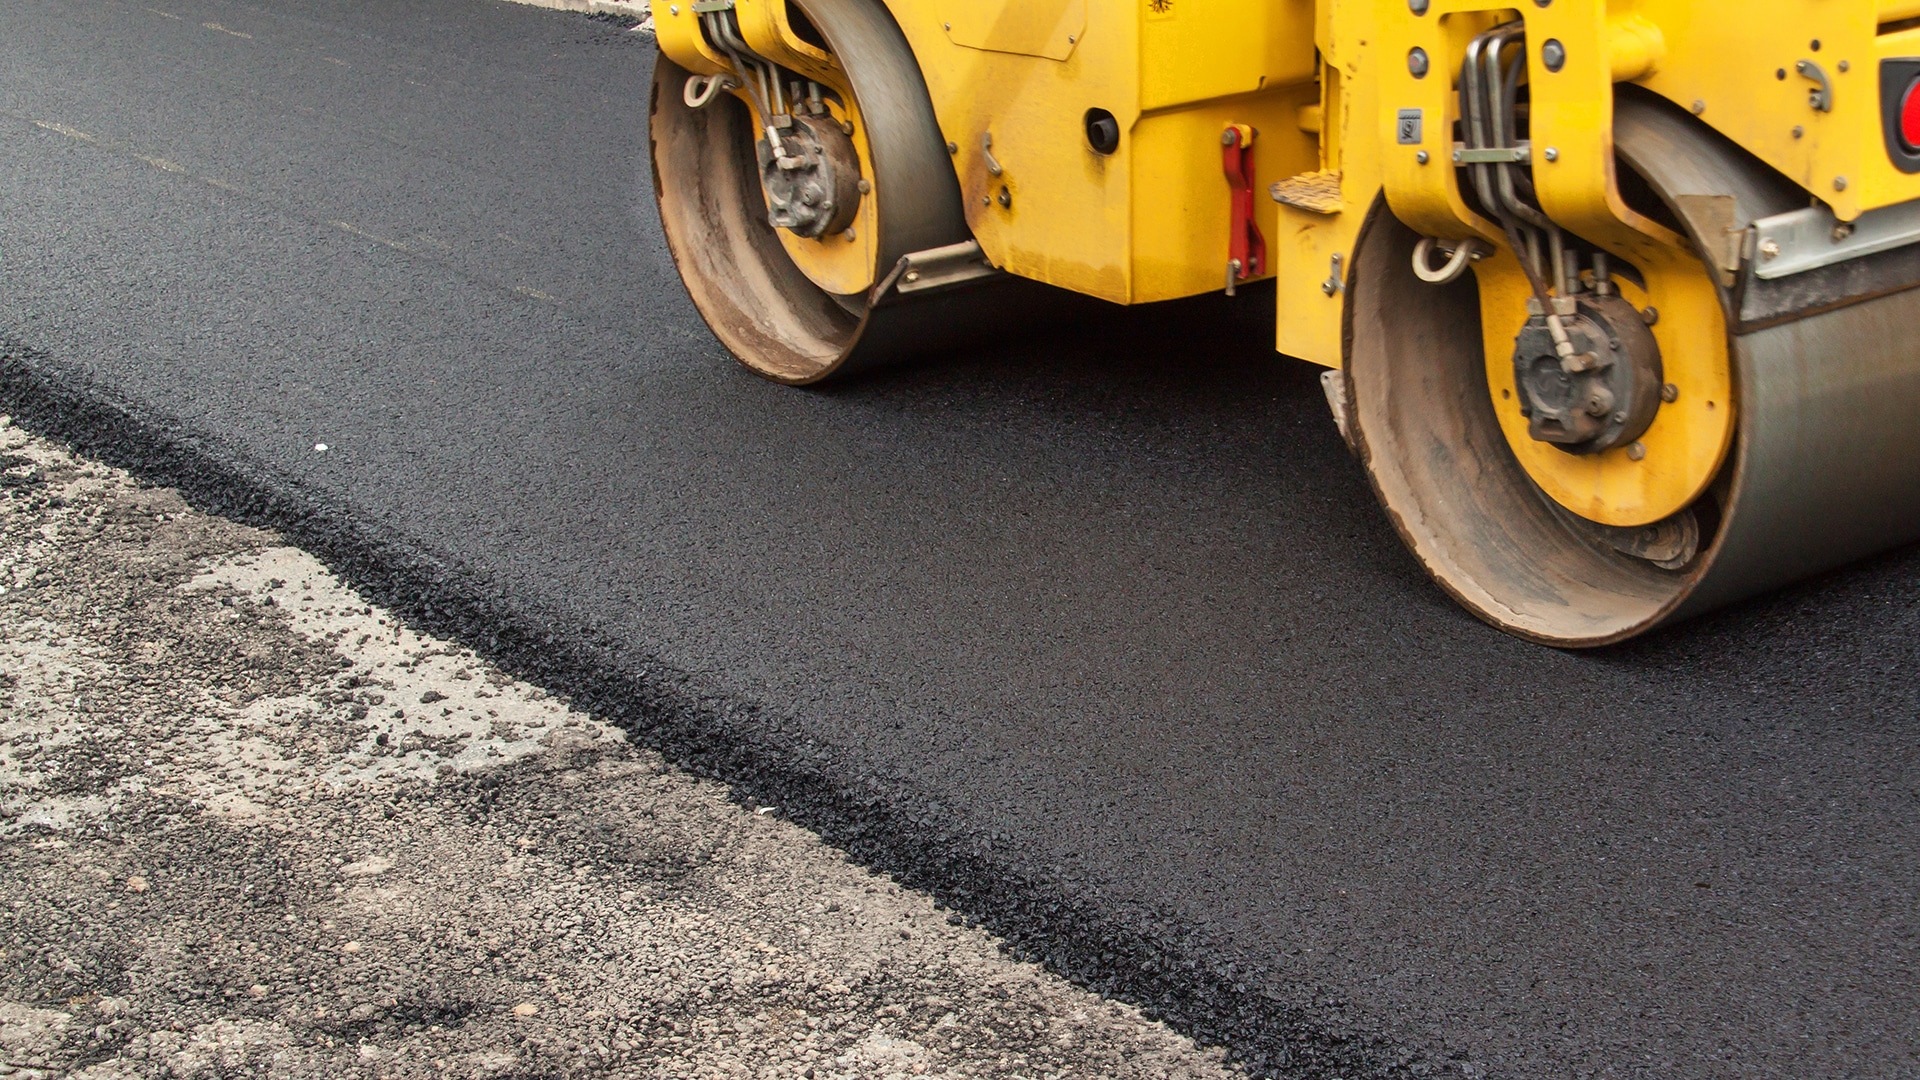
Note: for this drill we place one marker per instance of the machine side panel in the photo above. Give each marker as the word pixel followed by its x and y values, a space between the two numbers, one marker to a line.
pixel 1042 204
pixel 1753 69
pixel 1149 221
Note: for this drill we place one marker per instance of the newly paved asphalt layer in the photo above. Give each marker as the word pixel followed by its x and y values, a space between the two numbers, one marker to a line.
pixel 1100 638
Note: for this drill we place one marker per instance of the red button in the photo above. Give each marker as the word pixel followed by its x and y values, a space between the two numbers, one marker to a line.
pixel 1910 116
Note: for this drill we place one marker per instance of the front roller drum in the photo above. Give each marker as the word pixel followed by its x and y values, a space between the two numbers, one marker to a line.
pixel 763 308
pixel 1824 467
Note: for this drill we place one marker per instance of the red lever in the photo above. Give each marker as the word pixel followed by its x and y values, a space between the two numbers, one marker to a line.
pixel 1246 248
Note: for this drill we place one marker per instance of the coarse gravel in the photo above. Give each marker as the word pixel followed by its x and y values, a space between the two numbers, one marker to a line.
pixel 252 825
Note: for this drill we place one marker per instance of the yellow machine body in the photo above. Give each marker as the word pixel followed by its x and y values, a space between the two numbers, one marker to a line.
pixel 1322 84
pixel 1350 110
pixel 1011 81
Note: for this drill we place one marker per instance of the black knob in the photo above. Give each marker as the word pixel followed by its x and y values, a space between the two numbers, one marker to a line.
pixel 1103 131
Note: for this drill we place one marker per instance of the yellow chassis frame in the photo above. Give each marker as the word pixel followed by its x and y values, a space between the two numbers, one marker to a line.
pixel 1325 84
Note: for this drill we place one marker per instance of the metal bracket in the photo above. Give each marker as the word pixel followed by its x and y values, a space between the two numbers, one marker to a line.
pixel 986 151
pixel 702 7
pixel 1714 219
pixel 1334 384
pixel 936 268
pixel 1801 240
pixel 1334 283
pixel 1518 154
pixel 1246 245
pixel 1821 95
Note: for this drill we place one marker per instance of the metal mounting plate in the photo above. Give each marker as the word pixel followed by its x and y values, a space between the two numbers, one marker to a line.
pixel 1520 152
pixel 936 268
pixel 1801 240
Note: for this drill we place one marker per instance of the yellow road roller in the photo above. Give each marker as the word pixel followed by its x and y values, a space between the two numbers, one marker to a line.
pixel 1616 298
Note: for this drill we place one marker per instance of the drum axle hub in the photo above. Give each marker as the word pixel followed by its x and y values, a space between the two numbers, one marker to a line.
pixel 1604 395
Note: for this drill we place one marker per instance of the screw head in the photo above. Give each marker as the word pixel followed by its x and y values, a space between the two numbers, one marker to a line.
pixel 1798 131
pixel 1669 393
pixel 1417 62
pixel 1636 450
pixel 1553 54
pixel 1418 7
pixel 1839 183
pixel 863 186
pixel 1769 249
pixel 1552 153
pixel 1421 157
pixel 1699 106
pixel 1842 231
pixel 1845 67
pixel 1650 315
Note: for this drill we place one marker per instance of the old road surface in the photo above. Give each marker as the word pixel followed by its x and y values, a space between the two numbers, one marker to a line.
pixel 1100 638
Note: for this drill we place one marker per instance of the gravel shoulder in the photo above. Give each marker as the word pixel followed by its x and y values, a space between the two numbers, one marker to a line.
pixel 252 825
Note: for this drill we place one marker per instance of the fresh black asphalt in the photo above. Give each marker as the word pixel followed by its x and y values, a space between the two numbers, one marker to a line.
pixel 1100 637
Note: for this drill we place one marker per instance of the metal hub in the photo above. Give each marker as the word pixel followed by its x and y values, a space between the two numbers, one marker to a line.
pixel 812 177
pixel 1603 396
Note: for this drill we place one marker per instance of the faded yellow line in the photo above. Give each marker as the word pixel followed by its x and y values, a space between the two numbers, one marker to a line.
pixel 394 244
pixel 224 30
pixel 160 163
pixel 63 129
pixel 174 167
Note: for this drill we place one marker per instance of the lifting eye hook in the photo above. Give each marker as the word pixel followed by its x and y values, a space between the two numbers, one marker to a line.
pixel 701 89
pixel 1464 252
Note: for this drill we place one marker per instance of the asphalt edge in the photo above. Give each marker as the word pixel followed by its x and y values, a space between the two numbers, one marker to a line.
pixel 637 10
pixel 1305 1033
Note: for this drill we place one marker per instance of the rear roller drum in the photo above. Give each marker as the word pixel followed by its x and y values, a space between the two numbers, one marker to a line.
pixel 789 200
pixel 1821 464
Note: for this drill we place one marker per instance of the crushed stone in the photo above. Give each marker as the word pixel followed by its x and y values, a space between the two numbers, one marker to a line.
pixel 252 825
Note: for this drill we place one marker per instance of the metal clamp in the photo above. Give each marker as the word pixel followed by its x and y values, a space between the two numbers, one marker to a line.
pixel 1518 154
